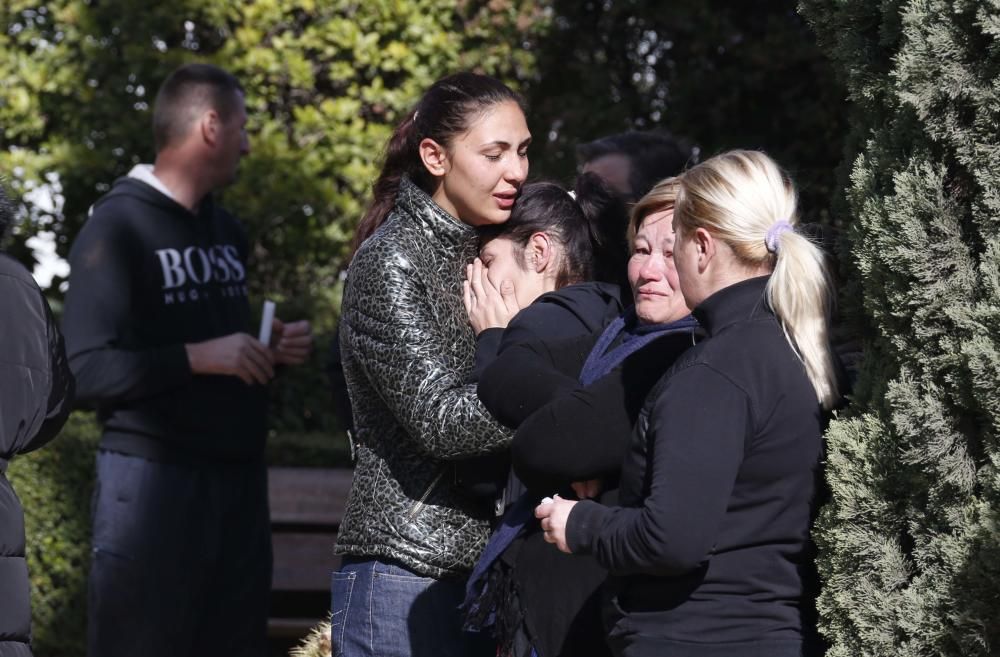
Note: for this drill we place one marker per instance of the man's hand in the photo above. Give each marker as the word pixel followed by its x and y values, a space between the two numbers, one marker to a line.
pixel 487 306
pixel 291 343
pixel 237 354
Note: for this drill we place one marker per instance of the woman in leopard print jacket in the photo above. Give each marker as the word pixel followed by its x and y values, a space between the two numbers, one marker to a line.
pixel 409 536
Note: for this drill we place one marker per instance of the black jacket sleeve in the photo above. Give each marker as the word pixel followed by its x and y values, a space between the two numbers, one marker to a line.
pixel 584 434
pixel 695 444
pixel 487 346
pixel 62 389
pixel 95 322
pixel 580 435
pixel 525 377
pixel 37 387
pixel 539 322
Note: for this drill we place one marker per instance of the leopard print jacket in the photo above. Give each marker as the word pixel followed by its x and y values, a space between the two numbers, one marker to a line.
pixel 408 351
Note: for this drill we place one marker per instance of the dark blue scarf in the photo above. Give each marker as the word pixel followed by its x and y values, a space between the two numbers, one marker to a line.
pixel 634 336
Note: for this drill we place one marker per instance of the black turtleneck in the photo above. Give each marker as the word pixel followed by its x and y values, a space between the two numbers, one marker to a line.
pixel 709 548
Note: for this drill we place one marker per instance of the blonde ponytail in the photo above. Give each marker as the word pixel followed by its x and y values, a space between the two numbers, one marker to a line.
pixel 747 201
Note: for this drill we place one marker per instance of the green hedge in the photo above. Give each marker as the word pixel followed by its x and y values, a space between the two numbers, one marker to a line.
pixel 314 449
pixel 55 485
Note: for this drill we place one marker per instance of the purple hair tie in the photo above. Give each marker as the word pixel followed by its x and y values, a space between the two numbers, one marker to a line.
pixel 775 231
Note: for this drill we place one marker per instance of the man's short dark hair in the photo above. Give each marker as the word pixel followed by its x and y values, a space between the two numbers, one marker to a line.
pixel 185 94
pixel 653 155
pixel 6 209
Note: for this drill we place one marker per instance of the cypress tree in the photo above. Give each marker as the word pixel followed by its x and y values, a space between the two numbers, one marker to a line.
pixel 910 539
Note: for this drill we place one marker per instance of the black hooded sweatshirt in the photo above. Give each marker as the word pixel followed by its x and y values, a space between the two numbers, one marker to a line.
pixel 147 277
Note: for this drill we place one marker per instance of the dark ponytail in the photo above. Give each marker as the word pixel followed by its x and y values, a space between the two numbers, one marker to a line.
pixel 446 110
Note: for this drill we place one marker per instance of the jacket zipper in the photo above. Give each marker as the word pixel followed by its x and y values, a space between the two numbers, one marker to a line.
pixel 423 498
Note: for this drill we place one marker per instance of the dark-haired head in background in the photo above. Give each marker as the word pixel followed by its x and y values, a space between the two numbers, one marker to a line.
pixel 632 162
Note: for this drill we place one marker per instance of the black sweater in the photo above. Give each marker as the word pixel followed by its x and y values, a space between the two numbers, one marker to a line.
pixel 571 311
pixel 574 311
pixel 567 433
pixel 148 276
pixel 717 489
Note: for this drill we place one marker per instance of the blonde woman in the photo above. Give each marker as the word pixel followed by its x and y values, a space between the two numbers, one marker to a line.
pixel 708 548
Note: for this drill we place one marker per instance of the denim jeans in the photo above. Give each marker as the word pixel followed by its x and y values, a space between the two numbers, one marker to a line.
pixel 383 610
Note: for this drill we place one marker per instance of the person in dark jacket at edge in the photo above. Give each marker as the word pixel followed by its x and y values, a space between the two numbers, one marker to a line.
pixel 573 403
pixel 156 323
pixel 710 547
pixel 36 393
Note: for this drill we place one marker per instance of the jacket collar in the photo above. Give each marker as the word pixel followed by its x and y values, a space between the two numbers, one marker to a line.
pixel 433 219
pixel 738 302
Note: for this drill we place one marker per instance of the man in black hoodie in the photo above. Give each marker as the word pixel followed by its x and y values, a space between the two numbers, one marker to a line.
pixel 156 323
pixel 36 391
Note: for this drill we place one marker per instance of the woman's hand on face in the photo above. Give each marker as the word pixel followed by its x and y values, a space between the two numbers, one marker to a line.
pixel 553 516
pixel 487 306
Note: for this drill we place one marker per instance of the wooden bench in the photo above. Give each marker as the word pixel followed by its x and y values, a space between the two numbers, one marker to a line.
pixel 307 505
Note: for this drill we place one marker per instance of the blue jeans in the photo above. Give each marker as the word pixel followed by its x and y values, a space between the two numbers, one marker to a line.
pixel 181 563
pixel 383 610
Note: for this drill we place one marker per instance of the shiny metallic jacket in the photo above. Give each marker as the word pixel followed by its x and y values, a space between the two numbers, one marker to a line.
pixel 407 353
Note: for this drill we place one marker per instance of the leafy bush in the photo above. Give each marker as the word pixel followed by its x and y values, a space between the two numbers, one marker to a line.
pixel 314 449
pixel 55 485
pixel 909 543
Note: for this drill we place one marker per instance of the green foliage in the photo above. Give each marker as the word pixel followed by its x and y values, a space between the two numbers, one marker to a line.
pixel 55 485
pixel 909 544
pixel 726 75
pixel 314 449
